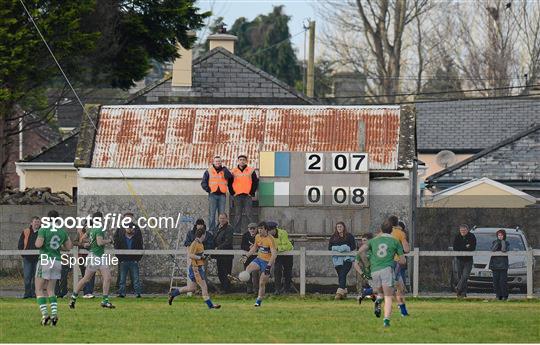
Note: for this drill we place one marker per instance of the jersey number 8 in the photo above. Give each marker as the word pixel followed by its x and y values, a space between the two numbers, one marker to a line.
pixel 382 250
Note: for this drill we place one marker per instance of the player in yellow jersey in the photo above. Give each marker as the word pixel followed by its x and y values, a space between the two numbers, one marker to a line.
pixel 196 273
pixel 398 233
pixel 265 248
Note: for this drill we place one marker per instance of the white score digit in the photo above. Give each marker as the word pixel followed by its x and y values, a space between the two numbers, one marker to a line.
pixel 314 162
pixel 359 196
pixel 340 195
pixel 340 162
pixel 314 195
pixel 359 162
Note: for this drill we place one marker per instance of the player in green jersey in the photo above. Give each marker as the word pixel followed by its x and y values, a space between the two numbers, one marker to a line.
pixel 49 241
pixel 381 251
pixel 96 260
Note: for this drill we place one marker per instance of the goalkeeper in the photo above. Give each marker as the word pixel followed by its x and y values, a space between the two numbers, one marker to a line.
pixel 196 273
pixel 266 248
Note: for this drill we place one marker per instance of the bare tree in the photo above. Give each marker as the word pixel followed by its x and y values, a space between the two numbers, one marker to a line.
pixel 494 43
pixel 370 37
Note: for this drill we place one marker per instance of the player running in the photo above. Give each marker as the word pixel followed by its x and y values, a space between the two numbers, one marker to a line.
pixel 266 248
pixel 398 233
pixel 367 290
pixel 381 251
pixel 196 271
pixel 49 241
pixel 96 260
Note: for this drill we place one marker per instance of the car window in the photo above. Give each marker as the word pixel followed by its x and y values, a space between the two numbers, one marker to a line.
pixel 484 241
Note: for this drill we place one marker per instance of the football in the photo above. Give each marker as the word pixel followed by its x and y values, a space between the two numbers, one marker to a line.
pixel 244 276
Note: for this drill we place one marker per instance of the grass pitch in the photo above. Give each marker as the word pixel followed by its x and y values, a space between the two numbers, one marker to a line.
pixel 284 319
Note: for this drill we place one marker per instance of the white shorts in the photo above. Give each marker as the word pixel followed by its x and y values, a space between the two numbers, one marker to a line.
pixel 49 272
pixel 384 277
pixel 96 263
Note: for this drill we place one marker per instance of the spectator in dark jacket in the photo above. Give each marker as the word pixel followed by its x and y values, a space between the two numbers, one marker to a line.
pixel 27 241
pixel 209 236
pixel 248 239
pixel 223 239
pixel 342 241
pixel 499 266
pixel 464 241
pixel 215 182
pixel 129 238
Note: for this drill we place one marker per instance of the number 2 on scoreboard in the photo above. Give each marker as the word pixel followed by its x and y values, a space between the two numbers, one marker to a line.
pixel 314 162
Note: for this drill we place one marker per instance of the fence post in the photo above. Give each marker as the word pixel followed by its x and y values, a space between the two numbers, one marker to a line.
pixel 416 265
pixel 75 253
pixel 302 271
pixel 530 260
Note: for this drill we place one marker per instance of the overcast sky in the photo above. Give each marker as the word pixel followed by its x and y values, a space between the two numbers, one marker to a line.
pixel 299 10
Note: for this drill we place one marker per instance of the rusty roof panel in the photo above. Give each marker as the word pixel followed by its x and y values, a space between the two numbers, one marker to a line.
pixel 188 136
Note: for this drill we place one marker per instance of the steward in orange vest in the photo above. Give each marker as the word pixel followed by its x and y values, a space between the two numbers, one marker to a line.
pixel 216 180
pixel 245 181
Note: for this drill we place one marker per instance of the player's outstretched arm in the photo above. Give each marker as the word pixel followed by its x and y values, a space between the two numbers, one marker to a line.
pixel 67 245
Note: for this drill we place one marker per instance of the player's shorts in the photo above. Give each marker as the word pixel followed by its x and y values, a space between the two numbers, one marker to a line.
pixel 384 277
pixel 191 273
pixel 399 273
pixel 261 263
pixel 48 272
pixel 95 263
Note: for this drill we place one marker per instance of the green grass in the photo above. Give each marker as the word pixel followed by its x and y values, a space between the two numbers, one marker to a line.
pixel 292 319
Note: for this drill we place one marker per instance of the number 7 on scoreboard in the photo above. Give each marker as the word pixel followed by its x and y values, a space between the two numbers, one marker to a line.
pixel 359 162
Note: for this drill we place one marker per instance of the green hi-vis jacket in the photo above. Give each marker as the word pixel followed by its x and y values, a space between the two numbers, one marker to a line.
pixel 282 241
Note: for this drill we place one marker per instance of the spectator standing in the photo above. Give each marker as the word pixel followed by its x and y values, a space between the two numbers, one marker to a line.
pixel 83 242
pixel 342 241
pixel 223 239
pixel 208 238
pixel 248 239
pixel 464 241
pixel 129 238
pixel 27 241
pixel 243 187
pixel 284 263
pixel 215 182
pixel 499 266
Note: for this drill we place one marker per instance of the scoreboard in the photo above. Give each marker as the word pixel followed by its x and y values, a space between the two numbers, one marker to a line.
pixel 333 179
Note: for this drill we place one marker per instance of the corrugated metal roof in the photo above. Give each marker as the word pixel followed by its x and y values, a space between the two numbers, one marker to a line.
pixel 188 136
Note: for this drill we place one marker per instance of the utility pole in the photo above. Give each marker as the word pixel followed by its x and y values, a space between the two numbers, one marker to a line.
pixel 311 61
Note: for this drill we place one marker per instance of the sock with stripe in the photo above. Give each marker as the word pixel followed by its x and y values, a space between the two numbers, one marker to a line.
pixel 74 296
pixel 54 305
pixel 42 302
pixel 209 303
pixel 105 298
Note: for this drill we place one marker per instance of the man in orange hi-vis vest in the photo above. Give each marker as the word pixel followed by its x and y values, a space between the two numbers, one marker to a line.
pixel 215 182
pixel 243 188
